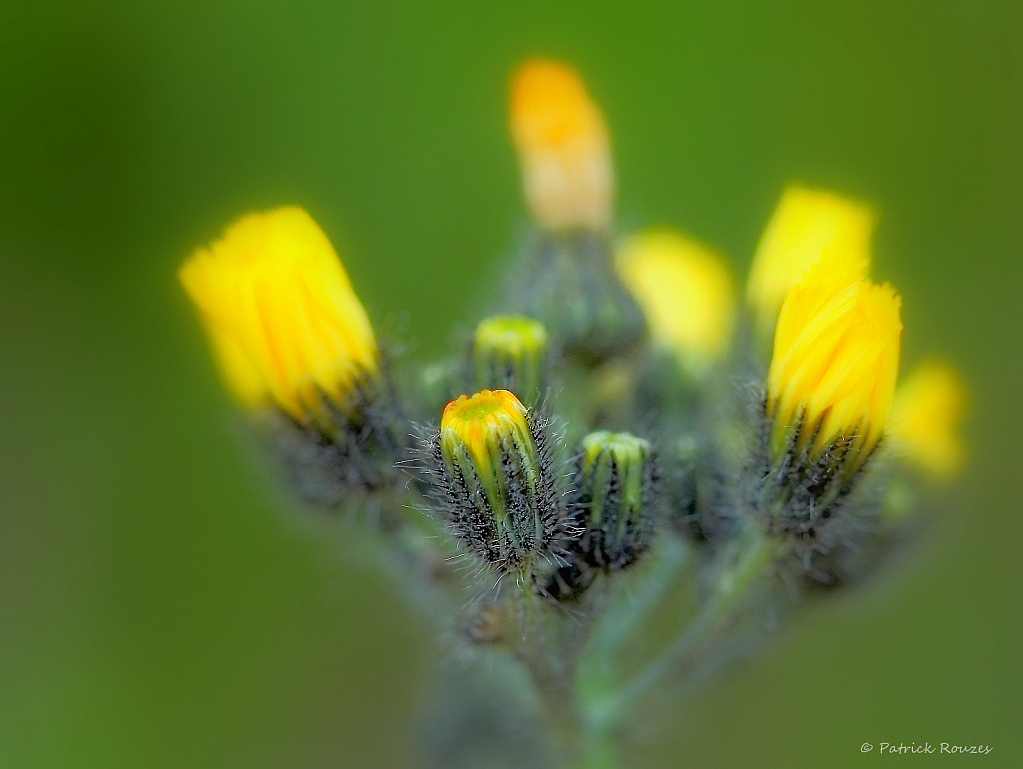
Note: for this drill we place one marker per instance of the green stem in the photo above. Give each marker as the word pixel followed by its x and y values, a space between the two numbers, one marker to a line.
pixel 638 598
pixel 599 751
pixel 629 607
pixel 539 649
pixel 732 586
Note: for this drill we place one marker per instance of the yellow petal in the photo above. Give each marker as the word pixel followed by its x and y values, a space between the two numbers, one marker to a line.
pixel 836 355
pixel 685 289
pixel 925 418
pixel 285 324
pixel 807 226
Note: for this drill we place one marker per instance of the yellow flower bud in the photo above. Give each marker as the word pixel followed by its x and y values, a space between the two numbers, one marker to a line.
pixel 926 413
pixel 836 356
pixel 563 146
pixel 497 490
pixel 285 325
pixel 483 426
pixel 685 290
pixel 807 226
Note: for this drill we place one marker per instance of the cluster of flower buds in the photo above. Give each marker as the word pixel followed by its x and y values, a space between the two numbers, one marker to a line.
pixel 775 437
pixel 834 437
pixel 490 474
pixel 645 331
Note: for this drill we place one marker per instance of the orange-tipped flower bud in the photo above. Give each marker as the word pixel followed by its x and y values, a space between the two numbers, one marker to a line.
pixel 563 145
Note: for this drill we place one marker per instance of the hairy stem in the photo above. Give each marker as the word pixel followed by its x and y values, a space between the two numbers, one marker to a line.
pixel 755 554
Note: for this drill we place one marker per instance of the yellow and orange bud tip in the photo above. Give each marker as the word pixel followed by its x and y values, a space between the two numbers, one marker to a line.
pixel 479 422
pixel 563 146
pixel 836 357
pixel 686 292
pixel 925 418
pixel 482 436
pixel 285 325
pixel 807 226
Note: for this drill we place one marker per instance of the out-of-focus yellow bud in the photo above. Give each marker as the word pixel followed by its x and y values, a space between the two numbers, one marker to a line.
pixel 686 292
pixel 510 351
pixel 285 325
pixel 563 146
pixel 925 417
pixel 836 357
pixel 807 226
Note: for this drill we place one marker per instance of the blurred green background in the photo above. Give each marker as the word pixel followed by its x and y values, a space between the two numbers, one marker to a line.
pixel 159 608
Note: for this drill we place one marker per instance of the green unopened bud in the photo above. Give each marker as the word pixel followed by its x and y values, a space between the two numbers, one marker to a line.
pixel 497 489
pixel 510 351
pixel 569 283
pixel 615 499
